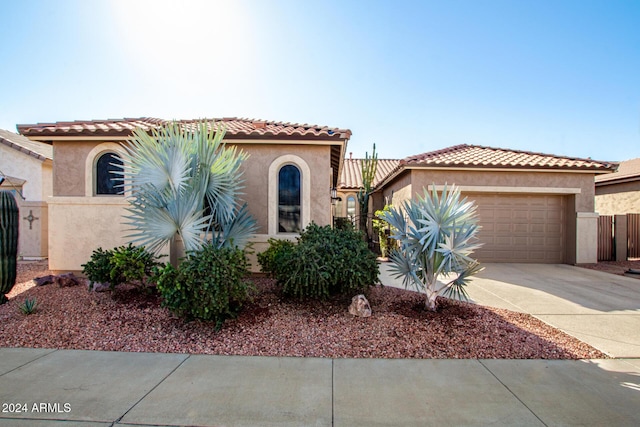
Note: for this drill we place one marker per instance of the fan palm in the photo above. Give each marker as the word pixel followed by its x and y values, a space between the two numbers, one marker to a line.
pixel 437 235
pixel 184 182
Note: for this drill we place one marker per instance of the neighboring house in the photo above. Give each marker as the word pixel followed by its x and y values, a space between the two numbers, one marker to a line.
pixel 532 207
pixel 346 206
pixel 618 193
pixel 85 211
pixel 26 170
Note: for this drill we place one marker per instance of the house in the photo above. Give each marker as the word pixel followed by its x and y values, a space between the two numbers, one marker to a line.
pixel 85 210
pixel 346 204
pixel 618 193
pixel 532 207
pixel 26 170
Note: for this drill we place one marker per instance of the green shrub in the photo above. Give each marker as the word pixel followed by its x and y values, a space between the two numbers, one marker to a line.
pixel 98 269
pixel 327 262
pixel 273 257
pixel 125 264
pixel 209 284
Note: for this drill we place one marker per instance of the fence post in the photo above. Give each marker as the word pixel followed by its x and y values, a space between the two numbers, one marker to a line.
pixel 620 233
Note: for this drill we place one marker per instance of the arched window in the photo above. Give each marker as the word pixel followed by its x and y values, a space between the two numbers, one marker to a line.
pixel 289 199
pixel 108 169
pixel 351 208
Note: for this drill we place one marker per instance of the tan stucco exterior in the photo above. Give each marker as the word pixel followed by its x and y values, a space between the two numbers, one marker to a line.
pixel 84 222
pixel 618 198
pixel 575 189
pixel 37 176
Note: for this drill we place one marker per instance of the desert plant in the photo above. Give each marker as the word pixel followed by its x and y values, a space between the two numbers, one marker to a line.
pixel 185 181
pixel 368 172
pixel 273 257
pixel 383 230
pixel 437 235
pixel 124 264
pixel 29 306
pixel 9 218
pixel 210 284
pixel 327 262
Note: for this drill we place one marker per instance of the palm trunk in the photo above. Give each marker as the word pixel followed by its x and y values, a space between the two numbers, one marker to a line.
pixel 430 302
pixel 176 250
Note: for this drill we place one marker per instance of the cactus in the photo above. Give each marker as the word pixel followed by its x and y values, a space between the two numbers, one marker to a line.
pixel 8 243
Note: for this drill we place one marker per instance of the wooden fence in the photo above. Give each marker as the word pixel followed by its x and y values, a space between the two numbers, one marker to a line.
pixel 606 243
pixel 633 232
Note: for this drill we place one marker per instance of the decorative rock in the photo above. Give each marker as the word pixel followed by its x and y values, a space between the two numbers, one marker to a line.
pixel 63 280
pixel 45 280
pixel 100 287
pixel 360 306
pixel 67 279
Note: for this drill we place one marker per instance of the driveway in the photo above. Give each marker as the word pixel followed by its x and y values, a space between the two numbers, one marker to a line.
pixel 598 308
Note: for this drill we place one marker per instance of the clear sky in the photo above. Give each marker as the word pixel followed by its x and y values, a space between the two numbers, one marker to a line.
pixel 560 77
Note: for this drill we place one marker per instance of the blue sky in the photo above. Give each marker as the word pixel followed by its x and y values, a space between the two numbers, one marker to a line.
pixel 559 77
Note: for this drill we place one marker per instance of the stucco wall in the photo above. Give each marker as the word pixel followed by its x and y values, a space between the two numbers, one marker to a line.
pixel 399 189
pixel 32 241
pixel 69 166
pixel 584 200
pixel 85 223
pixel 21 165
pixel 34 238
pixel 79 225
pixel 617 199
pixel 256 173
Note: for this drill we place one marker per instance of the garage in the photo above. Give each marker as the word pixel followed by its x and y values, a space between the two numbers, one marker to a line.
pixel 533 207
pixel 521 228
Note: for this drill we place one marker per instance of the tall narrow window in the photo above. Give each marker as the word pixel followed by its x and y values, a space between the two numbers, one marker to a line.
pixel 289 199
pixel 106 167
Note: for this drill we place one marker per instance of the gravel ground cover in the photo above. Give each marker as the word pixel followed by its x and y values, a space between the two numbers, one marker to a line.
pixel 614 267
pixel 271 325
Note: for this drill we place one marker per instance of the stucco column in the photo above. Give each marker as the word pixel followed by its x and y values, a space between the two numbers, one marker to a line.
pixel 620 233
pixel 586 237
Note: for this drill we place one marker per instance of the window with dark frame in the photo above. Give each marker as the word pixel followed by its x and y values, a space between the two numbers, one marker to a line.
pixel 289 201
pixel 108 170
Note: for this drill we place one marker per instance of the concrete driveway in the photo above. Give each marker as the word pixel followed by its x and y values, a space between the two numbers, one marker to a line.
pixel 598 308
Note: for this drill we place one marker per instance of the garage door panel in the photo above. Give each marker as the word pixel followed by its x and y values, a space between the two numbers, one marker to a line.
pixel 520 228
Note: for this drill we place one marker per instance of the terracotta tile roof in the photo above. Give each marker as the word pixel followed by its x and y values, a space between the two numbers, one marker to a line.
pixel 629 170
pixel 351 177
pixel 39 150
pixel 235 127
pixel 475 156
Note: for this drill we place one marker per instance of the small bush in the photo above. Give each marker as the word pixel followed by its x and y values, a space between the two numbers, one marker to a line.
pixel 125 264
pixel 209 284
pixel 273 257
pixel 327 262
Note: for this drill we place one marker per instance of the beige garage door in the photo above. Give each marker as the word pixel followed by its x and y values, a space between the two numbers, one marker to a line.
pixel 520 228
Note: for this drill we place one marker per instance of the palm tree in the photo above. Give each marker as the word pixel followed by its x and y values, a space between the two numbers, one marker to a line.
pixel 185 182
pixel 437 235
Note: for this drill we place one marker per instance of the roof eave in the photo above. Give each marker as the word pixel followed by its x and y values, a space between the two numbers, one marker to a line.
pixel 621 180
pixel 22 149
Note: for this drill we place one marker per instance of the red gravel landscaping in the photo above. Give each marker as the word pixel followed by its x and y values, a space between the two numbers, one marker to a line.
pixel 271 325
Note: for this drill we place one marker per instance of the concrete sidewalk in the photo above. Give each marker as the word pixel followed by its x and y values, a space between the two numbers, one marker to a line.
pixel 41 387
pixel 598 308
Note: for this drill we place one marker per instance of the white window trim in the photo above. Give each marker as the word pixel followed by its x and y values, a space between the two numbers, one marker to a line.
pixel 90 167
pixel 274 169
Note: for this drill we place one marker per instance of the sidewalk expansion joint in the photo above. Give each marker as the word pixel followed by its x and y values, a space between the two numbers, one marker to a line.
pixel 152 389
pixel 31 361
pixel 512 393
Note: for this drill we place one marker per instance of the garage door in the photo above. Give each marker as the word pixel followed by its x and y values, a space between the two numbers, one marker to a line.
pixel 520 228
